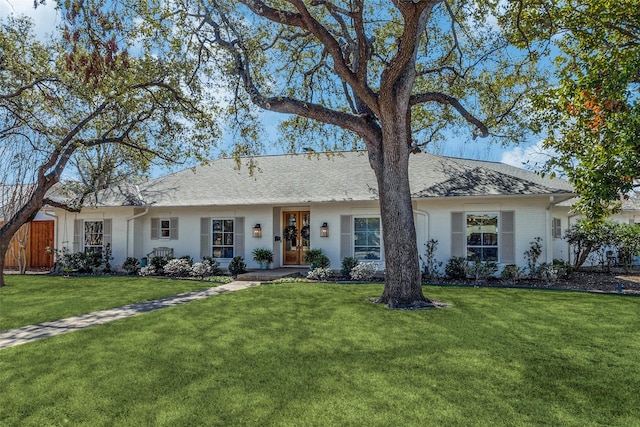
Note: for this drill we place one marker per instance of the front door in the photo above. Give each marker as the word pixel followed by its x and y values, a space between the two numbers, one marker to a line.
pixel 296 236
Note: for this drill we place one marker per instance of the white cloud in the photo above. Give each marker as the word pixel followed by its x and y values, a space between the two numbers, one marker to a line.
pixel 527 157
pixel 45 17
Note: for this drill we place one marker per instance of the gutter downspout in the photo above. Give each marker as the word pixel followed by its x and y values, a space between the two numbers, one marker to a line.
pixel 55 231
pixel 428 224
pixel 146 211
pixel 553 202
pixel 548 230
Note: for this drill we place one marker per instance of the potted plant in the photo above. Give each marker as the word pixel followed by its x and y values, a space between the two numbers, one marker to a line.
pixel 263 256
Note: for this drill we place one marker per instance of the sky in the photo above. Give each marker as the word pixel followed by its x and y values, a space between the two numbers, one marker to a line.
pixel 46 18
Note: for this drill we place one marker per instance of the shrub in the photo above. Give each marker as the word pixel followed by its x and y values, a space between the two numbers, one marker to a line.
pixel 430 267
pixel 188 259
pixel 214 265
pixel 456 268
pixel 131 265
pixel 364 271
pixel 511 273
pixel 564 270
pixel 627 242
pixel 320 274
pixel 317 259
pixel 481 270
pixel 177 267
pixel 79 262
pixel 237 266
pixel 205 268
pixel 548 272
pixel 149 270
pixel 347 265
pixel 199 269
pixel 158 263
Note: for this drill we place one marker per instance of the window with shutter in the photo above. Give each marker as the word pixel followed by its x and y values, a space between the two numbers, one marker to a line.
pixel 556 228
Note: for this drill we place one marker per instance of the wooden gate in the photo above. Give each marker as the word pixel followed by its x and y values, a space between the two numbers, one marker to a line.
pixel 40 236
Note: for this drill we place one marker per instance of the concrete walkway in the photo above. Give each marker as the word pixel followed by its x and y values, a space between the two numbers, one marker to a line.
pixel 25 334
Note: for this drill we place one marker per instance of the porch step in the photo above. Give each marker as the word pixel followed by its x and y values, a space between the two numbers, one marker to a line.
pixel 269 275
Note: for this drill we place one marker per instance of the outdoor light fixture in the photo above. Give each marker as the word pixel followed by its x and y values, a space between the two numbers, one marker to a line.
pixel 257 231
pixel 324 230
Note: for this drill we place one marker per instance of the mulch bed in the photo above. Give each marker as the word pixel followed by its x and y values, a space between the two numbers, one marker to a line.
pixel 589 281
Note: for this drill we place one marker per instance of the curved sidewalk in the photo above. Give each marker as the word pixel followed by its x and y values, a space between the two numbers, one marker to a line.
pixel 24 334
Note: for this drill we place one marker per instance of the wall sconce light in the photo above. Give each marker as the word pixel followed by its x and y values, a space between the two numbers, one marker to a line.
pixel 324 230
pixel 257 231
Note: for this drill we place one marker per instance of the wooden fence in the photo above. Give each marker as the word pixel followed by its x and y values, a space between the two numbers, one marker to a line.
pixel 39 236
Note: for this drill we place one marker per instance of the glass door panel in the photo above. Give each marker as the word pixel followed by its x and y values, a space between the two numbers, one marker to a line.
pixel 296 236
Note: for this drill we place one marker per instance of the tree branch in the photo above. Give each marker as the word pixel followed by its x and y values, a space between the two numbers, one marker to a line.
pixel 442 98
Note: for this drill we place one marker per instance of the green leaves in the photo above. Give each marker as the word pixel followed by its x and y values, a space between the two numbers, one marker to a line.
pixel 592 114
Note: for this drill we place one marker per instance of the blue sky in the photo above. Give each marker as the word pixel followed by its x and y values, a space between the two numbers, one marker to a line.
pixel 46 19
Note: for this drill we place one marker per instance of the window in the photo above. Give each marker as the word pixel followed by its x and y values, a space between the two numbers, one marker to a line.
pixel 164 228
pixel 556 228
pixel 223 238
pixel 482 237
pixel 366 238
pixel 93 236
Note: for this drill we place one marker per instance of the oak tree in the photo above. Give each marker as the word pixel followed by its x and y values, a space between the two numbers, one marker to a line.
pixel 389 76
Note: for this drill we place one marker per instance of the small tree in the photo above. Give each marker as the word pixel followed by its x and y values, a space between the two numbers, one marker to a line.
pixel 591 238
pixel 532 255
pixel 430 267
pixel 583 241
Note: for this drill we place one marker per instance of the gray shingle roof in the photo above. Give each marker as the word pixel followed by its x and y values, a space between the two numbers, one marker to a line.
pixel 300 178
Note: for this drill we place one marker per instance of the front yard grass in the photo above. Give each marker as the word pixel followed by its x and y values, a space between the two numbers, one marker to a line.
pixel 321 354
pixel 31 299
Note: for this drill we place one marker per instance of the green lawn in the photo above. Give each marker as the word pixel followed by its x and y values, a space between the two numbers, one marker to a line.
pixel 319 354
pixel 31 299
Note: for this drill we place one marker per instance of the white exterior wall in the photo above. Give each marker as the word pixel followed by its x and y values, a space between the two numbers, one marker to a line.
pixel 331 213
pixel 119 236
pixel 188 242
pixel 131 227
pixel 532 220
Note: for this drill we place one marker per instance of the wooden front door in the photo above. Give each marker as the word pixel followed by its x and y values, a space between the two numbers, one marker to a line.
pixel 296 236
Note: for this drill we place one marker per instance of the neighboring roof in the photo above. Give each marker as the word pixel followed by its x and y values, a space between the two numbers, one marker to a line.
pixel 630 204
pixel 304 178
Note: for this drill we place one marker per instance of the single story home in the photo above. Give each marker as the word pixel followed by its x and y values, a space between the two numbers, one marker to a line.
pixel 295 202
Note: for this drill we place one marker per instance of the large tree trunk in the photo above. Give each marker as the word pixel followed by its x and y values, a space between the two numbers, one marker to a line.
pixel 403 281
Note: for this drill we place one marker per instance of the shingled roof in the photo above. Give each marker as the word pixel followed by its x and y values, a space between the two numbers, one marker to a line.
pixel 304 178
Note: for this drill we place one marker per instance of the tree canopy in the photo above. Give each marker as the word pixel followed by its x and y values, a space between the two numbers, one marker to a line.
pixel 592 113
pixel 388 76
pixel 70 96
pixel 391 77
